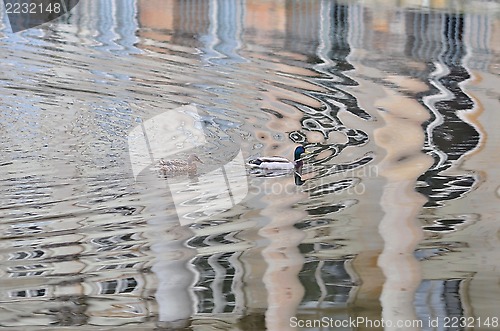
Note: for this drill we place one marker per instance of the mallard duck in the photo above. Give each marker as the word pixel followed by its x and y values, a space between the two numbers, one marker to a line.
pixel 278 162
pixel 179 166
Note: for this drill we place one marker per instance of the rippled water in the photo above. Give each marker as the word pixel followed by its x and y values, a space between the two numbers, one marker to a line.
pixel 394 216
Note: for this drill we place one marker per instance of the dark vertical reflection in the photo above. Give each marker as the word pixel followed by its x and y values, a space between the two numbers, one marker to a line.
pixel 437 40
pixel 327 283
pixel 191 19
pixel 438 37
pixel 445 296
pixel 331 67
pixel 320 31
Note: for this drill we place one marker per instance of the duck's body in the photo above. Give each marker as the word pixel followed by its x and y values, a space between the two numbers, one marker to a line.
pixel 177 166
pixel 278 162
pixel 272 163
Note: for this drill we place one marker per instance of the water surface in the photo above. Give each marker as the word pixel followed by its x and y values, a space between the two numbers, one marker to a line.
pixel 395 218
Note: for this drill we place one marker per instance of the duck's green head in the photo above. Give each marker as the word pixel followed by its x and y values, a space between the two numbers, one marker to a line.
pixel 298 152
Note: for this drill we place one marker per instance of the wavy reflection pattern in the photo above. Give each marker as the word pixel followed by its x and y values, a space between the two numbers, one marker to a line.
pixel 328 31
pixel 73 248
pixel 322 29
pixel 215 28
pixel 448 137
pixel 78 252
pixel 436 39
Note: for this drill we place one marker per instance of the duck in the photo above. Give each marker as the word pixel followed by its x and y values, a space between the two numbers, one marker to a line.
pixel 279 162
pixel 177 166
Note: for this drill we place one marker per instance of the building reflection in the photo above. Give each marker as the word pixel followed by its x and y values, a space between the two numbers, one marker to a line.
pixel 345 45
pixel 302 26
pixel 333 33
